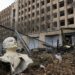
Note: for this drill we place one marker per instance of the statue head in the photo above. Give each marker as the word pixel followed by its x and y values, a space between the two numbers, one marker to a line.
pixel 10 43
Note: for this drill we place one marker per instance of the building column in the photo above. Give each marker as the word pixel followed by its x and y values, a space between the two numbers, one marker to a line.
pixel 42 38
pixel 51 14
pixel 60 39
pixel 74 11
pixel 58 15
pixel 65 4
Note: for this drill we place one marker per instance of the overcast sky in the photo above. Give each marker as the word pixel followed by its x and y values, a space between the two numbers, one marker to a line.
pixel 5 3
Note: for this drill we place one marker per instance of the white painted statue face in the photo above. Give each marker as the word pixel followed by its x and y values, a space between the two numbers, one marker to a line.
pixel 9 42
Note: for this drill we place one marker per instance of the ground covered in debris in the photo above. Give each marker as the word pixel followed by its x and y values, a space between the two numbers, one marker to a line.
pixel 46 64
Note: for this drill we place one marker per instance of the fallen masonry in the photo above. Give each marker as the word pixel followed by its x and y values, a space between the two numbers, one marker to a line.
pixel 46 64
pixel 51 65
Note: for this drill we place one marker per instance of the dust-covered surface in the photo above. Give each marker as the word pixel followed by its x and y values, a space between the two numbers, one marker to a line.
pixel 50 65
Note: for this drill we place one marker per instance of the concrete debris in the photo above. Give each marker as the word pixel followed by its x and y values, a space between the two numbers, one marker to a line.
pixel 52 65
pixel 42 66
pixel 44 63
pixel 59 57
pixel 67 46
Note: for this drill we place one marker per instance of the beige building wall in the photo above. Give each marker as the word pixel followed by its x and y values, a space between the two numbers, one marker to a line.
pixel 5 20
pixel 44 16
pixel 40 18
pixel 13 15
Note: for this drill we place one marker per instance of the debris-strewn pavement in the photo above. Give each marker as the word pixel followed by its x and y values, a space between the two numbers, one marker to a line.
pixel 51 65
pixel 46 64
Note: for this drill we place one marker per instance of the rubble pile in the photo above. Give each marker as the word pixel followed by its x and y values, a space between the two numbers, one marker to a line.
pixel 47 64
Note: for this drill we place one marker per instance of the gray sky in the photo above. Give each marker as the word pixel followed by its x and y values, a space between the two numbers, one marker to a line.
pixel 5 3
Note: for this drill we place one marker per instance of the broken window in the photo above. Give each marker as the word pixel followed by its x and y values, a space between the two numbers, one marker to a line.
pixel 14 12
pixel 42 2
pixel 54 15
pixel 33 1
pixel 19 7
pixel 48 1
pixel 22 6
pixel 42 18
pixel 29 15
pixel 61 4
pixel 42 11
pixel 33 14
pixel 19 13
pixel 28 9
pixel 48 17
pixel 48 25
pixel 33 22
pixel 36 28
pixel 22 12
pixel 54 24
pixel 22 18
pixel 13 20
pixel 42 27
pixel 55 6
pixel 62 22
pixel 37 19
pixel 19 1
pixel 70 21
pixel 37 12
pixel 25 4
pixel 62 13
pixel 25 10
pixel 29 2
pixel 70 10
pixel 48 8
pixel 25 17
pixel 19 19
pixel 33 7
pixel 37 5
pixel 69 1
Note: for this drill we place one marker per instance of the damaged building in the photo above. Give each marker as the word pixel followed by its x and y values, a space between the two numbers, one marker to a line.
pixel 43 19
pixel 6 20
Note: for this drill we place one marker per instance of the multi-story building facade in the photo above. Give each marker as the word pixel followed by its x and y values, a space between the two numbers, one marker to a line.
pixel 5 21
pixel 7 18
pixel 13 15
pixel 44 18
